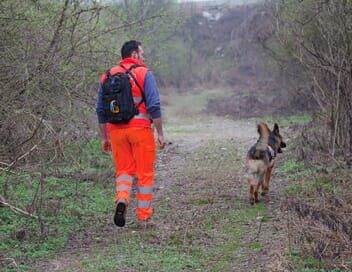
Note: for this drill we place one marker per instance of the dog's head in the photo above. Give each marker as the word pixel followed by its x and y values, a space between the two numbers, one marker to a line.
pixel 275 139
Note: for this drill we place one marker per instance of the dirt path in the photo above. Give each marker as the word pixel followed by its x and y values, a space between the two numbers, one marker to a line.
pixel 204 220
pixel 270 231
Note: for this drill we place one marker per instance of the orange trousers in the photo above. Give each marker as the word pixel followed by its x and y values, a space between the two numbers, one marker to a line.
pixel 133 151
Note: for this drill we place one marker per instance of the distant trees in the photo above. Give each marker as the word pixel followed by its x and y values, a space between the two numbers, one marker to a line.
pixel 318 35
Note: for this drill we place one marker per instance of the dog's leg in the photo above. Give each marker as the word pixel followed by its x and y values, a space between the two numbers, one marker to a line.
pixel 267 181
pixel 251 190
pixel 256 191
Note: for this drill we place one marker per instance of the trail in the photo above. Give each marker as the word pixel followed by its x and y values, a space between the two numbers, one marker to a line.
pixel 203 217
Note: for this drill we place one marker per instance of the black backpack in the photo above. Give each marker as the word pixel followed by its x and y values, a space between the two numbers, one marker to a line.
pixel 117 97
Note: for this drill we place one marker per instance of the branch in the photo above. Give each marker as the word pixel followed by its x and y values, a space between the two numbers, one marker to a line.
pixel 259 229
pixel 3 203
pixel 118 27
pixel 21 157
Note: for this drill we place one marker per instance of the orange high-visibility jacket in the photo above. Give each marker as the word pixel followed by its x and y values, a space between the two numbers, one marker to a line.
pixel 143 118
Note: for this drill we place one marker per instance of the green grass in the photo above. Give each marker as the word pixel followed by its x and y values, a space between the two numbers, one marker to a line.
pixel 296 170
pixel 304 180
pixel 190 105
pixel 134 252
pixel 312 186
pixel 304 263
pixel 211 166
pixel 286 121
pixel 293 120
pixel 188 241
pixel 64 205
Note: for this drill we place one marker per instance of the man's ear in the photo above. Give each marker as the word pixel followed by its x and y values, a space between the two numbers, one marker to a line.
pixel 276 129
pixel 134 54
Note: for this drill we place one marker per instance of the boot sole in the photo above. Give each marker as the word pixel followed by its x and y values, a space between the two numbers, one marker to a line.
pixel 119 217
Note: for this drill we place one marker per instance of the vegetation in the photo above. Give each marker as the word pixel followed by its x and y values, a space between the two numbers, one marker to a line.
pixel 279 61
pixel 317 36
pixel 60 203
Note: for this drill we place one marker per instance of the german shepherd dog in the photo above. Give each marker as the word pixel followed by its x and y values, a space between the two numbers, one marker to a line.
pixel 261 158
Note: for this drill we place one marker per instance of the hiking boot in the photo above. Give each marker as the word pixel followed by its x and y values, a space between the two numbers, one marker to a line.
pixel 120 214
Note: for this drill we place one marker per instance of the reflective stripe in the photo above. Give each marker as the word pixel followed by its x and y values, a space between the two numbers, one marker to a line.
pixel 137 99
pixel 143 204
pixel 146 190
pixel 124 177
pixel 123 187
pixel 143 116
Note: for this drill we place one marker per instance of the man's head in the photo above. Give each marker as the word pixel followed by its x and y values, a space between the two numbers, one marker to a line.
pixel 132 49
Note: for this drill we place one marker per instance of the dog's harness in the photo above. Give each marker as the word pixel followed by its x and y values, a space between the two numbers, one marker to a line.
pixel 271 152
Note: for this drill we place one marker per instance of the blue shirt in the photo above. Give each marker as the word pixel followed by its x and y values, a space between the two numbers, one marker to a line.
pixel 151 94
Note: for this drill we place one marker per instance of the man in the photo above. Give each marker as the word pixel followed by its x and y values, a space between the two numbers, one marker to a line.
pixel 132 143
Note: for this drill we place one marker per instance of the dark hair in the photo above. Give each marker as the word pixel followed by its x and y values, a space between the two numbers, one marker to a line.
pixel 129 47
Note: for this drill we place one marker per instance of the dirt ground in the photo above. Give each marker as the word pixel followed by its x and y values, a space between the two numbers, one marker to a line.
pixel 200 184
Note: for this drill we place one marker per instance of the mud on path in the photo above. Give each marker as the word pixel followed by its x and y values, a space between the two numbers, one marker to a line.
pixel 204 221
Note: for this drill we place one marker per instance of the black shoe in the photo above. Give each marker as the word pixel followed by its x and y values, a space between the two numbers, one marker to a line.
pixel 120 214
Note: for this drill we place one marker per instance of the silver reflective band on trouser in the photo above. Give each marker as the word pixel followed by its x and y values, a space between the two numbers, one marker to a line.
pixel 143 204
pixel 124 178
pixel 137 99
pixel 146 190
pixel 143 116
pixel 123 187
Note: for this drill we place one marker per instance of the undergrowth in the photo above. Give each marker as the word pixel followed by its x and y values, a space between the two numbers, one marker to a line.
pixel 61 202
pixel 318 207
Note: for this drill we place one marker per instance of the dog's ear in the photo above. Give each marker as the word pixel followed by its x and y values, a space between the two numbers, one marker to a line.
pixel 276 129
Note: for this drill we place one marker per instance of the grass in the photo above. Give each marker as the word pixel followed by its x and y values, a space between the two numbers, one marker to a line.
pixel 227 220
pixel 133 252
pixel 191 107
pixel 208 235
pixel 305 180
pixel 307 263
pixel 299 119
pixel 315 185
pixel 64 206
pixel 286 121
pixel 204 237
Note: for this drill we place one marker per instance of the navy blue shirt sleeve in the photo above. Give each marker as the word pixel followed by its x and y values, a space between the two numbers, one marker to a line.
pixel 152 96
pixel 99 109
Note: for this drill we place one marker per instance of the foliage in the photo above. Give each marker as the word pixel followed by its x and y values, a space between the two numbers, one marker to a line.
pixel 317 35
pixel 317 206
pixel 64 202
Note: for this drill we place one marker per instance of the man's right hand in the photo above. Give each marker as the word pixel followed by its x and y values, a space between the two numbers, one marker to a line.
pixel 106 147
pixel 161 141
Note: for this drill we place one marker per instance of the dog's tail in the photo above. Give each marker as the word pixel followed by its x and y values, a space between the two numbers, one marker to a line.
pixel 263 140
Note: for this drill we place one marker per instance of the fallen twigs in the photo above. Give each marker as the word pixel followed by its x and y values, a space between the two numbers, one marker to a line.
pixel 3 203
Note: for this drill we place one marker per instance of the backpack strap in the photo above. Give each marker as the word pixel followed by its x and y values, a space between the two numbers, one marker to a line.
pixel 128 71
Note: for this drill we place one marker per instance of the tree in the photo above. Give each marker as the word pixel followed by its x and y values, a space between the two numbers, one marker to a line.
pixel 318 35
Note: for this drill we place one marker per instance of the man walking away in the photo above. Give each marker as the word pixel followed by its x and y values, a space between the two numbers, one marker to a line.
pixel 126 130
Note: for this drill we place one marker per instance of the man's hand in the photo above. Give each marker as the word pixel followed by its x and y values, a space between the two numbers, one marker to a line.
pixel 159 130
pixel 106 144
pixel 106 147
pixel 161 141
